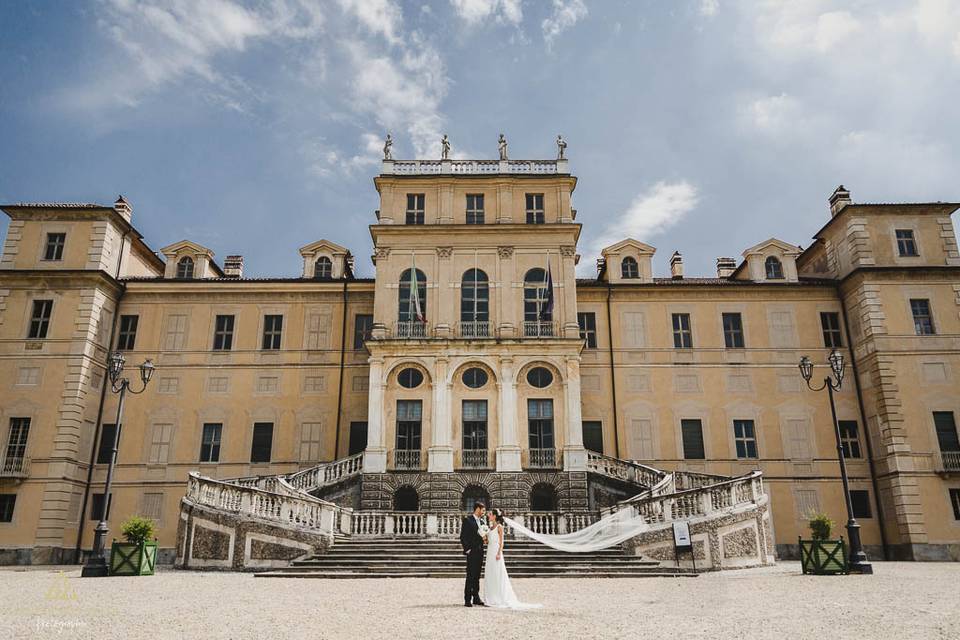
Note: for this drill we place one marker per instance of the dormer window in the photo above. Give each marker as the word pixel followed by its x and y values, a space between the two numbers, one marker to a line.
pixel 906 243
pixel 323 268
pixel 185 268
pixel 774 268
pixel 629 268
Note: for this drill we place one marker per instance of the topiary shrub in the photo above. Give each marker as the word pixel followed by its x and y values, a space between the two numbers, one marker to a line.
pixel 138 530
pixel 820 526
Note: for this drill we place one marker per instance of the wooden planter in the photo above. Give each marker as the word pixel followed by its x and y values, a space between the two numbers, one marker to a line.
pixel 823 557
pixel 128 559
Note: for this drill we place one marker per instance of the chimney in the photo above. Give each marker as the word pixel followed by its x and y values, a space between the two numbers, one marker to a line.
pixel 233 267
pixel 839 199
pixel 726 267
pixel 123 207
pixel 676 266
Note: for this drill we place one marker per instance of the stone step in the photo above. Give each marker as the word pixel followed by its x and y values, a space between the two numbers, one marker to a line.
pixel 539 551
pixel 584 568
pixel 348 558
pixel 333 575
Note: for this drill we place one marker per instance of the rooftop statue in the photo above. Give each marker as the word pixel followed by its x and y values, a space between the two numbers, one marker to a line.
pixel 502 147
pixel 445 148
pixel 387 154
pixel 561 146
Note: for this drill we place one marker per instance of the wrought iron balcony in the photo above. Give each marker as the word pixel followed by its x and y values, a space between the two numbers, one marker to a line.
pixel 413 329
pixel 949 462
pixel 407 459
pixel 475 329
pixel 475 459
pixel 547 329
pixel 543 459
pixel 14 467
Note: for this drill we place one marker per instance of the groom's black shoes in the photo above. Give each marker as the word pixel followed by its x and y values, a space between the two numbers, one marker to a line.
pixel 479 603
pixel 467 604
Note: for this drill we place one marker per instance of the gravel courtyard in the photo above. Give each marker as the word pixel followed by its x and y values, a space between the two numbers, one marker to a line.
pixel 902 600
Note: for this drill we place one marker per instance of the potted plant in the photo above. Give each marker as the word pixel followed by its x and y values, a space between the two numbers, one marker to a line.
pixel 138 555
pixel 821 555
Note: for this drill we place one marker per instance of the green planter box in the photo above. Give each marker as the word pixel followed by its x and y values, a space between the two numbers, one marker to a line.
pixel 127 559
pixel 823 557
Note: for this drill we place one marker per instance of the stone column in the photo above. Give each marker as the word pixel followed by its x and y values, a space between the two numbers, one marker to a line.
pixel 574 455
pixel 568 297
pixel 375 455
pixel 508 449
pixel 440 454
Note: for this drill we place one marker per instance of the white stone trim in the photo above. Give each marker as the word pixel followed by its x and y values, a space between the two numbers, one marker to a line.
pixel 209 524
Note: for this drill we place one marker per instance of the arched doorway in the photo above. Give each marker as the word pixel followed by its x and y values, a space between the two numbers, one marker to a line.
pixel 406 499
pixel 472 494
pixel 543 497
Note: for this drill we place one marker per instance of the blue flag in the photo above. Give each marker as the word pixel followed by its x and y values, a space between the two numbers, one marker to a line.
pixel 546 311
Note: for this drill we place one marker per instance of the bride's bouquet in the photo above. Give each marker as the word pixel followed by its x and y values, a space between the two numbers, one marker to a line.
pixel 483 530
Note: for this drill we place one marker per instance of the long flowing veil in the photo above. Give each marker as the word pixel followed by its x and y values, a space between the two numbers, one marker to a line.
pixel 609 531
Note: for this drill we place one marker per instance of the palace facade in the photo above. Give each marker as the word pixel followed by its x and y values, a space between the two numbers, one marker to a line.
pixel 476 363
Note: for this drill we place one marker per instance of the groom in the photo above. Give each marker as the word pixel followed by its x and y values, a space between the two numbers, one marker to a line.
pixel 472 544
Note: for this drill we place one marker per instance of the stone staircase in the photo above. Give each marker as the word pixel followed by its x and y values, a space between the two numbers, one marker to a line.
pixel 437 558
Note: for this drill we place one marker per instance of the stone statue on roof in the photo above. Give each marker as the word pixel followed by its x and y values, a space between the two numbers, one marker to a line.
pixel 445 148
pixel 502 147
pixel 561 146
pixel 387 153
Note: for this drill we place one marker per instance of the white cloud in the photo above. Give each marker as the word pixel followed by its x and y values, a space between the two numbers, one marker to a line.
pixel 773 114
pixel 652 212
pixel 797 27
pixel 381 17
pixel 833 28
pixel 566 13
pixel 474 11
pixel 709 8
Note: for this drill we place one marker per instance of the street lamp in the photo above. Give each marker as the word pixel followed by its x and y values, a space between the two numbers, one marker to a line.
pixel 96 565
pixel 858 559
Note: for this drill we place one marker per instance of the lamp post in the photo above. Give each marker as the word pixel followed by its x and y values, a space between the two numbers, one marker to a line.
pixel 858 559
pixel 96 565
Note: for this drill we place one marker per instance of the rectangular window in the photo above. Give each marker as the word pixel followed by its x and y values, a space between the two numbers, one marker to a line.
pixel 415 208
pixel 318 331
pixel 409 416
pixel 540 424
pixel 358 438
pixel 946 428
pixel 17 440
pixel 691 432
pixel 96 506
pixel 745 437
pixel 176 333
pixel 262 445
pixel 268 384
pixel 782 329
pixel 40 319
pixel 28 376
pixel 906 243
pixel 54 246
pixel 127 338
pixel 733 330
pixel 272 330
pixel 955 503
pixel 922 318
pixel 151 506
pixel 311 441
pixel 160 443
pixel 682 336
pixel 7 503
pixel 223 333
pixel 593 436
pixel 860 501
pixel 588 329
pixel 210 442
pixel 168 385
pixel 641 441
pixel 313 384
pixel 108 433
pixel 830 324
pixel 475 208
pixel 475 424
pixel 362 326
pixel 535 208
pixel 849 438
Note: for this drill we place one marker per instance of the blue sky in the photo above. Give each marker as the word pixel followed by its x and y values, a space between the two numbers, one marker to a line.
pixel 703 126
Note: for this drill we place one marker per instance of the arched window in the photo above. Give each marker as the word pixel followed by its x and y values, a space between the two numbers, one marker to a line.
pixel 535 297
pixel 472 494
pixel 629 268
pixel 323 268
pixel 185 268
pixel 774 268
pixel 475 304
pixel 406 499
pixel 543 497
pixel 413 301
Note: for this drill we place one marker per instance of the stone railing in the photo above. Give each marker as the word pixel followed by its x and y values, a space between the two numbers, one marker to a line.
pixel 420 524
pixel 625 470
pixel 14 467
pixel 948 462
pixel 472 167
pixel 327 474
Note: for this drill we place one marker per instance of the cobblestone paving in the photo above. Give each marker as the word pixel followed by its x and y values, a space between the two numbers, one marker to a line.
pixel 902 600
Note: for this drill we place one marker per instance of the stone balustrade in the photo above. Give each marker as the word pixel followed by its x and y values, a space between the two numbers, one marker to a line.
pixel 327 474
pixel 625 470
pixel 473 167
pixel 420 524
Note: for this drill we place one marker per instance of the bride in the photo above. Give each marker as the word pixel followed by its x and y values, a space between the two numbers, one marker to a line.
pixel 496 585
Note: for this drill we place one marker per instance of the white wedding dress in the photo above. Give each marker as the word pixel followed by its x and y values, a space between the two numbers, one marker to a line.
pixel 497 590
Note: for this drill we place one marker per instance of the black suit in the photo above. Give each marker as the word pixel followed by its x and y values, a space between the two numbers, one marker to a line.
pixel 472 545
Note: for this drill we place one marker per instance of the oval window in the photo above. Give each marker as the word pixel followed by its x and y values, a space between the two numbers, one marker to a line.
pixel 410 378
pixel 475 377
pixel 539 377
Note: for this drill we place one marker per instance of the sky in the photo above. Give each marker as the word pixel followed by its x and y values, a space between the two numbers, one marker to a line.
pixel 703 126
